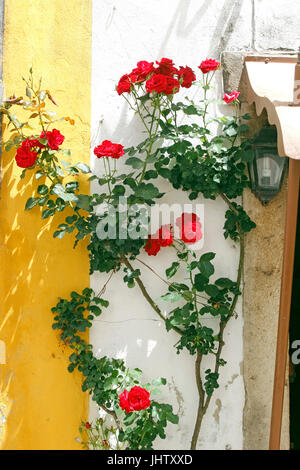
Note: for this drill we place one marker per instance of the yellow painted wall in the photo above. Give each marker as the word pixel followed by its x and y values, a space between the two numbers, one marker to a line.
pixel 46 401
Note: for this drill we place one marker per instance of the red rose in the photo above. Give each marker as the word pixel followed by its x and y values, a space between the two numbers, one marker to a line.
pixel 166 67
pixel 35 143
pixel 190 228
pixel 229 98
pixel 152 247
pixel 186 77
pixel 163 237
pixel 108 149
pixel 172 87
pixel 132 76
pixel 87 425
pixel 54 138
pixel 209 65
pixel 142 70
pixel 123 402
pixel 25 157
pixel 162 84
pixel 138 398
pixel 135 400
pixel 125 84
pixel 156 83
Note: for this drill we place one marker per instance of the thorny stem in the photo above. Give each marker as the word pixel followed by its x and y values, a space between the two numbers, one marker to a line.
pixel 113 414
pixel 146 295
pixel 148 152
pixel 14 124
pixel 104 287
pixel 229 203
pixel 201 394
pixel 144 432
pixel 107 176
pixel 204 402
pixel 167 282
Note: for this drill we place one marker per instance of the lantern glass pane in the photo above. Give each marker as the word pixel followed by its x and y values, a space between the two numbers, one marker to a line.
pixel 269 169
pixel 252 174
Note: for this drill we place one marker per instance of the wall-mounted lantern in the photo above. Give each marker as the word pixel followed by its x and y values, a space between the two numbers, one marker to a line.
pixel 266 171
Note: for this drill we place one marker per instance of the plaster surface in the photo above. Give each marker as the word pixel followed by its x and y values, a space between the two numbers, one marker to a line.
pixel 276 25
pixel 187 32
pixel 262 278
pixel 45 401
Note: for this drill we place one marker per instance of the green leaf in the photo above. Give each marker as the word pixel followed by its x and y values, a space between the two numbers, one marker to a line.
pixel 206 268
pixel 182 146
pixel 171 297
pixel 71 186
pixel 83 201
pixel 8 147
pixel 59 190
pixel 44 199
pixel 190 110
pixel 59 234
pixel 144 98
pixel 135 162
pixel 172 418
pixel 231 131
pixel 95 310
pixel 130 418
pixel 159 381
pixel 208 256
pixel 83 167
pixel 170 272
pixel 200 282
pixel 50 204
pixel 31 202
pixel 155 391
pixel 150 174
pixel 42 189
pixel 146 191
pixel 224 282
pixel 188 295
pixel 119 190
pixel 211 290
pixel 71 218
pixel 47 213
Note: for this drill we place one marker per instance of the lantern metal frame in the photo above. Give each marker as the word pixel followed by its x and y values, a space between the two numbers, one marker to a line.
pixel 265 143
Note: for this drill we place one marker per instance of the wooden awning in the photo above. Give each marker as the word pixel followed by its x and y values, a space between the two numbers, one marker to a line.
pixel 271 85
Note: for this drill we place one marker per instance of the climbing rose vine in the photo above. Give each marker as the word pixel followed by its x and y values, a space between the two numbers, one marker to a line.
pixel 181 148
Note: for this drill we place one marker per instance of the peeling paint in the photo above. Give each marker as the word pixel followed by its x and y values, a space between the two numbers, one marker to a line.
pixel 179 397
pixel 230 382
pixel 216 414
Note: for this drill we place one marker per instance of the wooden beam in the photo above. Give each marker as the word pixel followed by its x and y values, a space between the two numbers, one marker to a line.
pixel 285 302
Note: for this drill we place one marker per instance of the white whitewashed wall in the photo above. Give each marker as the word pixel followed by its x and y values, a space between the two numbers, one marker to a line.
pixel 188 31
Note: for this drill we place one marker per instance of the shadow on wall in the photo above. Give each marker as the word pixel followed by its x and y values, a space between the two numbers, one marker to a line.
pixel 224 24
